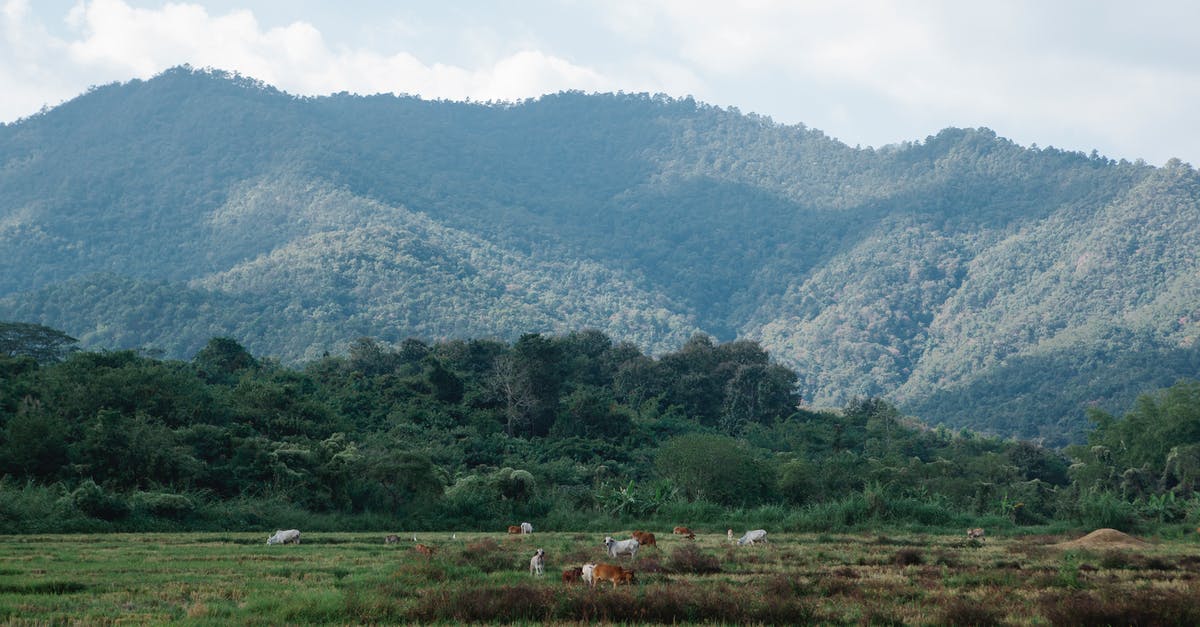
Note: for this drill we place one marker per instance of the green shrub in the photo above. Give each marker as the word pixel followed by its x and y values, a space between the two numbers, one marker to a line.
pixel 162 504
pixel 94 501
pixel 1098 510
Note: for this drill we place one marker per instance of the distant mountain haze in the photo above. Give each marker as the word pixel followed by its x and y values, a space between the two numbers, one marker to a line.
pixel 974 282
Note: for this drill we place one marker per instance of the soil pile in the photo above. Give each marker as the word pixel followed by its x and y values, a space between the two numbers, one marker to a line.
pixel 1101 539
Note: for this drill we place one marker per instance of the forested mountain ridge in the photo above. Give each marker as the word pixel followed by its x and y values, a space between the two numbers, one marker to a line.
pixel 976 282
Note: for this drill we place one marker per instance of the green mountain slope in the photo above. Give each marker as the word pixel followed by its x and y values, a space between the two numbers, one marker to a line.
pixel 974 281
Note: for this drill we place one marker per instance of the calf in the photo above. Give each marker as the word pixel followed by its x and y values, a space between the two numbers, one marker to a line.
pixel 427 551
pixel 975 534
pixel 586 571
pixel 645 538
pixel 514 529
pixel 685 532
pixel 572 575
pixel 609 572
pixel 289 536
pixel 537 563
pixel 391 539
pixel 621 547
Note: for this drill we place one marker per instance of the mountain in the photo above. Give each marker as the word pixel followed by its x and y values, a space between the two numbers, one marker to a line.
pixel 975 282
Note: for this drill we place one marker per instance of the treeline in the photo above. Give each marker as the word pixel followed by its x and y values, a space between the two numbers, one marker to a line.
pixel 570 431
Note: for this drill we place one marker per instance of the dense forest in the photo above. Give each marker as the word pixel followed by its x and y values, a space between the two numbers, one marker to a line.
pixel 571 431
pixel 963 278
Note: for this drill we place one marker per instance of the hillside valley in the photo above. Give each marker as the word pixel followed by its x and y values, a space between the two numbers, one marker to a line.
pixel 972 281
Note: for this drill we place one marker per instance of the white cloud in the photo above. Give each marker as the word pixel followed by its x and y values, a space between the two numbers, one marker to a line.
pixel 1076 73
pixel 116 41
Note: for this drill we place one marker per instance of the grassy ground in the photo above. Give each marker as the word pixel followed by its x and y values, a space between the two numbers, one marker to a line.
pixel 794 579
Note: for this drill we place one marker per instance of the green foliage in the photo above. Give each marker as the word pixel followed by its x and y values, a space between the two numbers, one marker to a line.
pixel 39 342
pixel 715 468
pixel 975 282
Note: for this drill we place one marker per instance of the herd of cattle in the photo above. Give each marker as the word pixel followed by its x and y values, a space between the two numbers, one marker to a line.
pixel 591 572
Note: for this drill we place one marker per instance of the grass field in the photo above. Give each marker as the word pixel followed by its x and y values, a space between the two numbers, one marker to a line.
pixel 794 579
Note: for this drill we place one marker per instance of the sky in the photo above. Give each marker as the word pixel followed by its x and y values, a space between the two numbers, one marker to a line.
pixel 1118 77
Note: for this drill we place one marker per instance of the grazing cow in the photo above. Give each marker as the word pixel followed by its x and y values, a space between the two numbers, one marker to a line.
pixel 758 535
pixel 609 572
pixel 537 563
pixel 427 551
pixel 621 547
pixel 526 528
pixel 645 538
pixel 514 530
pixel 975 534
pixel 290 536
pixel 572 575
pixel 586 571
pixel 684 531
pixel 391 539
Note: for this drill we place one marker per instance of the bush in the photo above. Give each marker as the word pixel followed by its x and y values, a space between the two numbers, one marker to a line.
pixel 689 559
pixel 92 500
pixel 163 504
pixel 909 557
pixel 1142 607
pixel 1098 510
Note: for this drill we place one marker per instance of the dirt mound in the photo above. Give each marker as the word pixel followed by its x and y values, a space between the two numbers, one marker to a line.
pixel 1101 539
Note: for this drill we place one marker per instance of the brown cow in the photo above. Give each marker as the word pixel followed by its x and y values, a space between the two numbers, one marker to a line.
pixel 975 534
pixel 609 572
pixel 572 575
pixel 644 538
pixel 514 529
pixel 427 551
pixel 684 531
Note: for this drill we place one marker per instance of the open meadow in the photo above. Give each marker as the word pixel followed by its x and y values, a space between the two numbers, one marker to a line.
pixel 901 578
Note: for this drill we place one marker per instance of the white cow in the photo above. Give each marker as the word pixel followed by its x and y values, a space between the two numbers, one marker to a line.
pixel 621 547
pixel 526 528
pixel 758 535
pixel 588 569
pixel 290 536
pixel 537 563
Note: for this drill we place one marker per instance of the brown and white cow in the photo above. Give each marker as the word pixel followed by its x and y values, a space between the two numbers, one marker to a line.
pixel 975 534
pixel 610 572
pixel 645 538
pixel 684 531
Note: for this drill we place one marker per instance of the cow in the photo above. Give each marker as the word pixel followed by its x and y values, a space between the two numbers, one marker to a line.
pixel 729 534
pixel 685 532
pixel 572 575
pixel 391 539
pixel 609 572
pixel 621 547
pixel 526 528
pixel 758 535
pixel 289 536
pixel 537 563
pixel 514 530
pixel 645 538
pixel 427 551
pixel 586 572
pixel 975 534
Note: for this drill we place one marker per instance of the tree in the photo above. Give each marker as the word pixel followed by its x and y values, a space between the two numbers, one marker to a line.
pixel 715 468
pixel 221 359
pixel 408 477
pixel 42 343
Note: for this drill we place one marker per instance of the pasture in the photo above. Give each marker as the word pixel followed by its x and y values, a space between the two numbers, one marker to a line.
pixel 898 578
